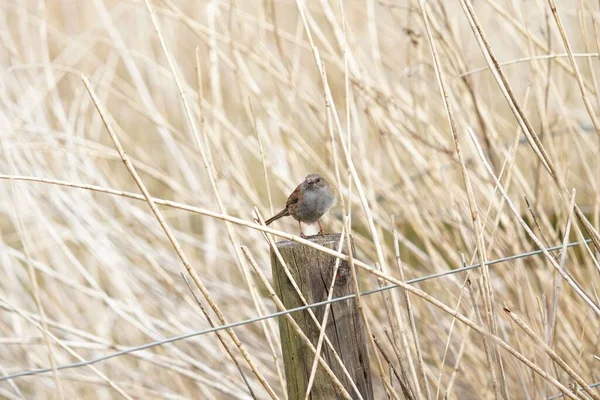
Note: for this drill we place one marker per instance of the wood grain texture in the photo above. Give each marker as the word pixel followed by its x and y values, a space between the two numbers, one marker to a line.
pixel 312 270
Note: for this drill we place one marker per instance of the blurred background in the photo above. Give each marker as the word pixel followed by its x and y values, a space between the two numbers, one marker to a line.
pixel 226 106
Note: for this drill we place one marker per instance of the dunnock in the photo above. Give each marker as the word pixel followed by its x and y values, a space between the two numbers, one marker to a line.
pixel 311 199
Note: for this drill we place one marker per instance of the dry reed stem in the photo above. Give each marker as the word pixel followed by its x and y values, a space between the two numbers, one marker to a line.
pixel 173 240
pixel 25 239
pixel 219 335
pixel 359 303
pixel 578 78
pixel 209 166
pixel 537 42
pixel 113 385
pixel 525 124
pixel 588 55
pixel 400 333
pixel 552 354
pixel 406 390
pixel 211 174
pixel 459 358
pixel 447 345
pixel 576 287
pixel 492 352
pixel 413 326
pixel 478 328
pixel 273 351
pixel 558 281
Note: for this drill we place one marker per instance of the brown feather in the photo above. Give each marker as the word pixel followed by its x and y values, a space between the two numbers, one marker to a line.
pixel 293 198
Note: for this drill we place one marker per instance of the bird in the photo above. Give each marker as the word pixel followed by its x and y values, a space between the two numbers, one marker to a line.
pixel 308 202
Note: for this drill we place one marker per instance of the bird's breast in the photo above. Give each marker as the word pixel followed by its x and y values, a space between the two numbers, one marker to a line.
pixel 315 204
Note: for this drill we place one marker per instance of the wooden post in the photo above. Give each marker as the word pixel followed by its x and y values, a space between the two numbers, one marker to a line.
pixel 312 270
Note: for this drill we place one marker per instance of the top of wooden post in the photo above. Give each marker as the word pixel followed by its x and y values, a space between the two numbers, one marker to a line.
pixel 318 239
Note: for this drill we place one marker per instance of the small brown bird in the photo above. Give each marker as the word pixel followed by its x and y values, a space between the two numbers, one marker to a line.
pixel 311 199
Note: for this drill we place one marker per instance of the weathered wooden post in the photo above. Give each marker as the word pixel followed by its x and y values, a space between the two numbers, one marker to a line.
pixel 312 270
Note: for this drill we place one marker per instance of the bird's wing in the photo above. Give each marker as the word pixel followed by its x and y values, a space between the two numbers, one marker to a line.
pixel 293 198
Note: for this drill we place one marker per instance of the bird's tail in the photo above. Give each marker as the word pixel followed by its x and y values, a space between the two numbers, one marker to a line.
pixel 280 214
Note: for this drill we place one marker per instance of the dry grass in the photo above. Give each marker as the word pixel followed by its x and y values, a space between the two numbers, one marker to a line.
pixel 225 106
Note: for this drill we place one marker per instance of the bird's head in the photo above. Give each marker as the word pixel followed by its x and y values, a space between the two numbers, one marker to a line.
pixel 315 181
